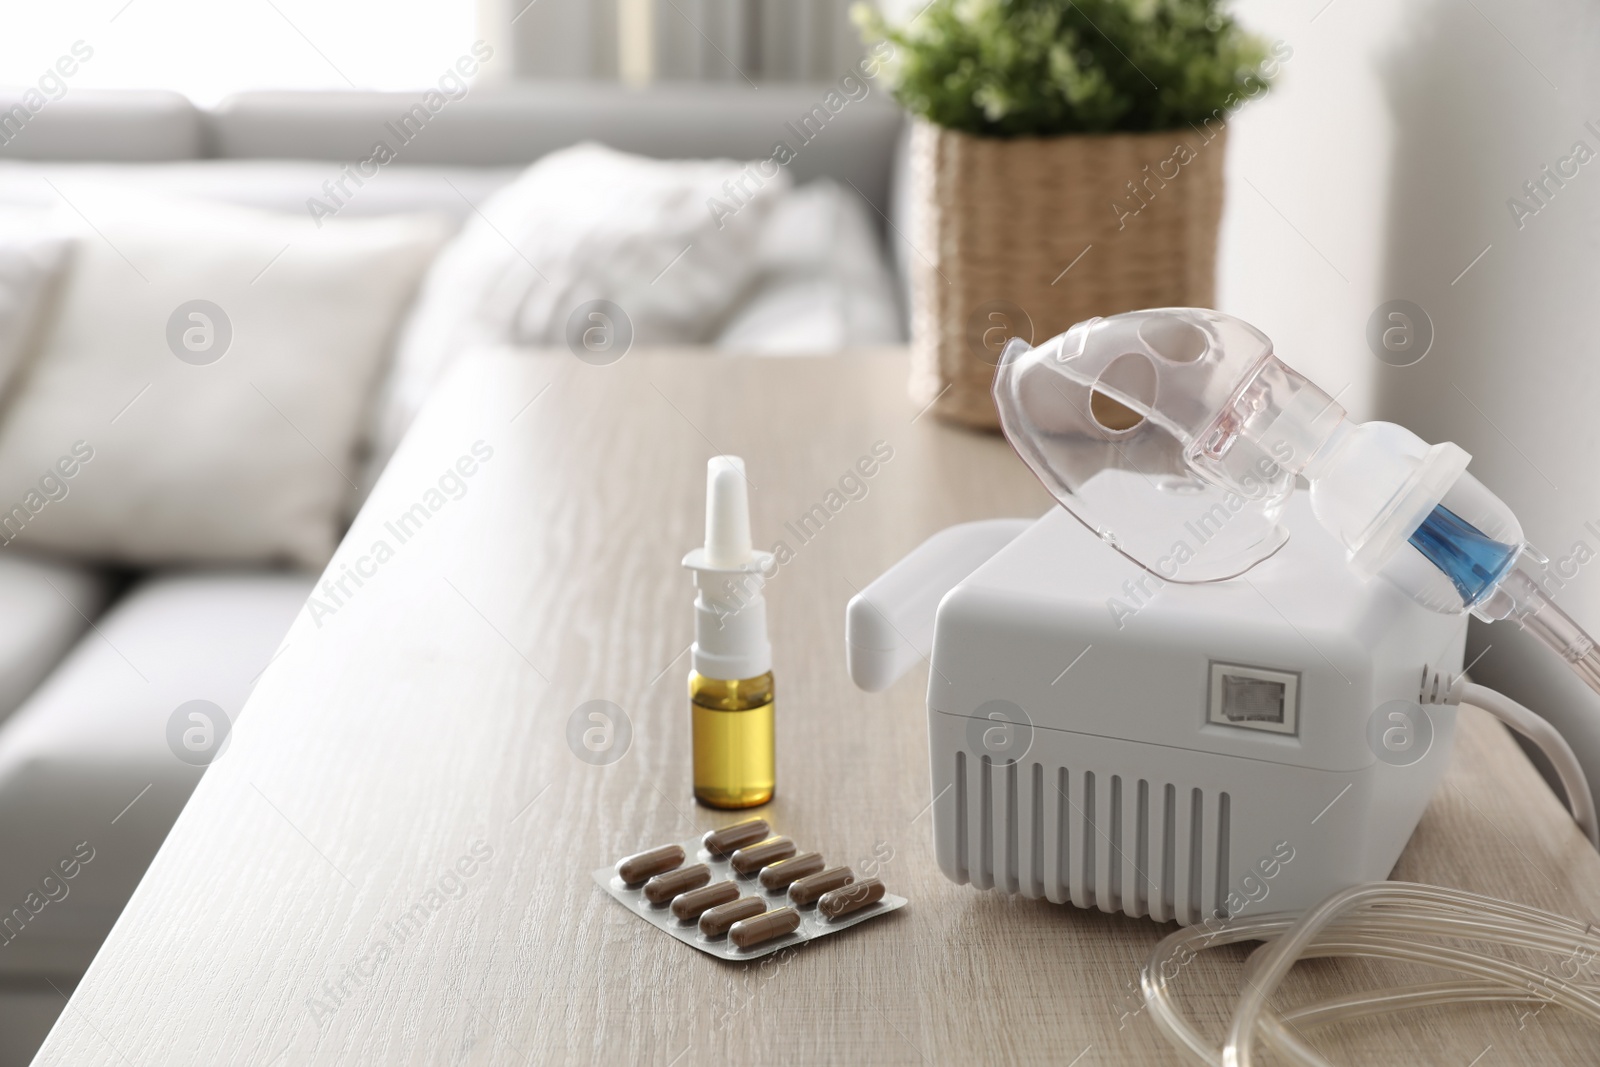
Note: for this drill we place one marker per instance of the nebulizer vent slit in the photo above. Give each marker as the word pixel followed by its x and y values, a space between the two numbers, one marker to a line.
pixel 986 823
pixel 1036 876
pixel 1141 861
pixel 963 861
pixel 1169 852
pixel 1011 871
pixel 1091 840
pixel 1219 906
pixel 1114 847
pixel 1063 838
pixel 1197 851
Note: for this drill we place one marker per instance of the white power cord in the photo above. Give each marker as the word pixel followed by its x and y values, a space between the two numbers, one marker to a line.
pixel 1443 689
pixel 1432 925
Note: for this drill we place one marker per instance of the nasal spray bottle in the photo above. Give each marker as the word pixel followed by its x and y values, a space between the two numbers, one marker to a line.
pixel 730 685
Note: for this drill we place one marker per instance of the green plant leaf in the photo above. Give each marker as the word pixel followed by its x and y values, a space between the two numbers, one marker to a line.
pixel 1039 68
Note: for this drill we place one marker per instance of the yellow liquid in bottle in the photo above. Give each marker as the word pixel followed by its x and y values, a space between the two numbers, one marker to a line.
pixel 734 764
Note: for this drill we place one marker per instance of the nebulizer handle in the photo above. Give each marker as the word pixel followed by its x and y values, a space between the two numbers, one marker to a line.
pixel 888 626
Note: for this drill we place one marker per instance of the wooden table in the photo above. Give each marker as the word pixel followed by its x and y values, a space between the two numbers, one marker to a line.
pixel 310 905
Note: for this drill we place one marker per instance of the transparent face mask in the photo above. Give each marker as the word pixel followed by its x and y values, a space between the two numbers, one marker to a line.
pixel 1154 428
pixel 1176 435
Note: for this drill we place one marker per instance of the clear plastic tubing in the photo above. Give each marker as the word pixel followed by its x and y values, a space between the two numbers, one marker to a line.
pixel 1386 920
pixel 1485 573
pixel 1519 599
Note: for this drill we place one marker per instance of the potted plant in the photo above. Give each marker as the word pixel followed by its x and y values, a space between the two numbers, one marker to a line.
pixel 1066 162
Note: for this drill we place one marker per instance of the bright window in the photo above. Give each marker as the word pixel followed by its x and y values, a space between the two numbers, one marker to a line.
pixel 210 48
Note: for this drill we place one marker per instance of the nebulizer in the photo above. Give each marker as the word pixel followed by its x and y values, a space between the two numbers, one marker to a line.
pixel 1137 423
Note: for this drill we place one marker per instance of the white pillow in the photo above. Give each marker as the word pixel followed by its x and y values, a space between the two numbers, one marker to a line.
pixel 154 429
pixel 824 282
pixel 31 260
pixel 673 243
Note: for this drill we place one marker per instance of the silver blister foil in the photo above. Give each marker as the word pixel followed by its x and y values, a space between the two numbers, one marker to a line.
pixel 813 924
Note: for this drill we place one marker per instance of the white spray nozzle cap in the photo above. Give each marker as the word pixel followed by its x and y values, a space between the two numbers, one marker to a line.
pixel 730 630
pixel 727 513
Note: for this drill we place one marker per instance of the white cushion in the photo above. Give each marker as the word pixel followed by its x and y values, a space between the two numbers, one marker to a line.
pixel 31 259
pixel 583 223
pixel 244 459
pixel 824 283
pixel 95 734
pixel 131 124
pixel 48 605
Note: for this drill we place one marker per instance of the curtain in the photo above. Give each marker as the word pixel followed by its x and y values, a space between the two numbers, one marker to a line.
pixel 639 41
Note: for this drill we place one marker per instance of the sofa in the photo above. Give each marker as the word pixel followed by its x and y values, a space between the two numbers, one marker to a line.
pixel 99 659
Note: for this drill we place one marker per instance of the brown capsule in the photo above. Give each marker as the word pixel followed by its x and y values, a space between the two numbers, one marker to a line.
pixel 663 887
pixel 752 858
pixel 691 904
pixel 641 865
pixel 840 902
pixel 778 875
pixel 723 841
pixel 806 890
pixel 716 922
pixel 748 932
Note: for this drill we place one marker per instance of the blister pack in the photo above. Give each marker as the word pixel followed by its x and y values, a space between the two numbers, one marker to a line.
pixel 739 893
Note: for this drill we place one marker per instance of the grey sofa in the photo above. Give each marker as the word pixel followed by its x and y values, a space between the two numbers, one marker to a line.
pixel 93 663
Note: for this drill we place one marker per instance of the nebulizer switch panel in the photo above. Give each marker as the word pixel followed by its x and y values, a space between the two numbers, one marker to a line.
pixel 1256 698
pixel 1251 699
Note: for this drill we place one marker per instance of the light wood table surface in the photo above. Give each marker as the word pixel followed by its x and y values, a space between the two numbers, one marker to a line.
pixel 308 906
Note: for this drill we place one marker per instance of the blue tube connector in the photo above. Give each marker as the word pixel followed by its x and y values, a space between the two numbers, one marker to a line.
pixel 1474 562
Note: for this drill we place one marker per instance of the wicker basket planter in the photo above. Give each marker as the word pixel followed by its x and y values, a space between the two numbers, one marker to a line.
pixel 1026 236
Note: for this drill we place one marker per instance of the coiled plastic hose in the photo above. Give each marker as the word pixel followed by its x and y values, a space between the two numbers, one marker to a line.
pixel 1399 921
pixel 1402 921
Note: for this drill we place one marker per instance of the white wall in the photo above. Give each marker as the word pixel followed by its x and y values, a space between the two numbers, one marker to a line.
pixel 1400 132
pixel 1303 239
pixel 208 50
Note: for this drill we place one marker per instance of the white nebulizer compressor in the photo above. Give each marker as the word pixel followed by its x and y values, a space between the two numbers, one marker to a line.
pixel 1195 690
